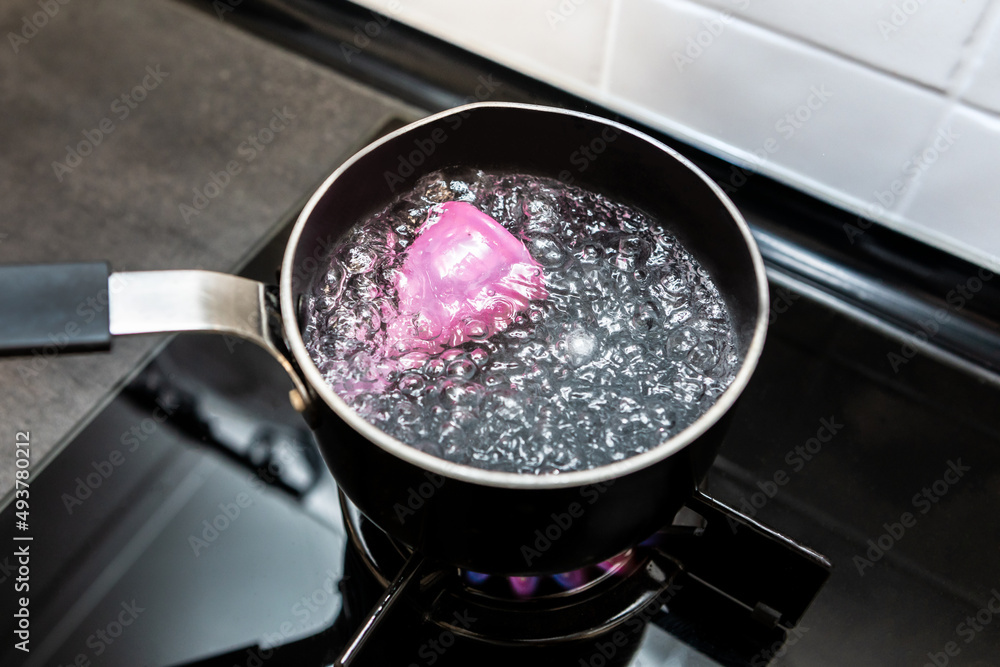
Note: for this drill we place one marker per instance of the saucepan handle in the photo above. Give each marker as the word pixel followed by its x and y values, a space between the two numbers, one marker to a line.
pixel 57 305
pixel 79 307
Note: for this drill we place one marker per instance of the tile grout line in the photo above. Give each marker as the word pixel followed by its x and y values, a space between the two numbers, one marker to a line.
pixel 972 51
pixel 610 44
pixel 993 115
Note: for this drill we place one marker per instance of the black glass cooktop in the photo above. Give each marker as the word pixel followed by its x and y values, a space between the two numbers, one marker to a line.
pixel 192 522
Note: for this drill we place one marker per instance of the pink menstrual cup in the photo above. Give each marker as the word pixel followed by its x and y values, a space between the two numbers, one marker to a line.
pixel 464 278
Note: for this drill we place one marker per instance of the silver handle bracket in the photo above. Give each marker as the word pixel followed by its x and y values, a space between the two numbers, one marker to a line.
pixel 145 302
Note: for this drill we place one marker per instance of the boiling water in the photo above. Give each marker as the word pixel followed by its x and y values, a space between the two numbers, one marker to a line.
pixel 632 343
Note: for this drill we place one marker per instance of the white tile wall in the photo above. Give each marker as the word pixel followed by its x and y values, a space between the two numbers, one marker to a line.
pixel 984 88
pixel 563 39
pixel 813 108
pixel 886 79
pixel 956 203
pixel 920 40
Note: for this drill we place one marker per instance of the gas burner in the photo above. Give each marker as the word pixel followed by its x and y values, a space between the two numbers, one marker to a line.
pixel 725 565
pixel 562 584
pixel 550 619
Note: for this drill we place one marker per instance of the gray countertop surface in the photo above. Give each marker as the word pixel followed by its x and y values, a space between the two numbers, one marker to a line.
pixel 196 90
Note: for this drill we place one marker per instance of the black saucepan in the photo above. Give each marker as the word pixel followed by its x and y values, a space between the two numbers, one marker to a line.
pixel 487 521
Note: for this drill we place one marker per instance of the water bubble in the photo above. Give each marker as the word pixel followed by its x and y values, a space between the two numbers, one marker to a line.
pixel 580 347
pixel 333 283
pixel 459 393
pixel 413 360
pixel 435 367
pixel 413 385
pixel 475 329
pixel 632 253
pixel 590 253
pixel 425 327
pixel 646 317
pixel 429 447
pixel 642 276
pixel 479 356
pixel 360 259
pixel 682 341
pixel 493 380
pixel 546 250
pixel 454 449
pixel 462 368
pixel 674 284
pixel 714 310
pixel 704 356
pixel 679 316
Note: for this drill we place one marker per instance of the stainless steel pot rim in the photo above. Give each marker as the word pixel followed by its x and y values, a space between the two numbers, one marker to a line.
pixel 481 476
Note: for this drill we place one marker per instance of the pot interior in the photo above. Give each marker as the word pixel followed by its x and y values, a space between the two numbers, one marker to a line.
pixel 573 148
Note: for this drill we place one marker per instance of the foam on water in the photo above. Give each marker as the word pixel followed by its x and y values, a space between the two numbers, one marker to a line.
pixel 631 345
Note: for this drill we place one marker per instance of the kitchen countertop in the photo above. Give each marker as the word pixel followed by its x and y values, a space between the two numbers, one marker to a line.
pixel 154 98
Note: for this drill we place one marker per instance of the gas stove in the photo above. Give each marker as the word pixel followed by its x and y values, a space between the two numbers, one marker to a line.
pixel 593 615
pixel 220 481
pixel 197 501
pixel 192 522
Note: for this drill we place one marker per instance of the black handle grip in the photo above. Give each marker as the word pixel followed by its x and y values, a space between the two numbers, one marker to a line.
pixel 60 306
